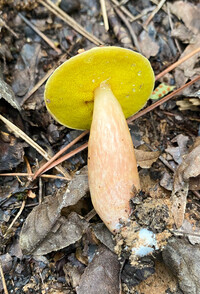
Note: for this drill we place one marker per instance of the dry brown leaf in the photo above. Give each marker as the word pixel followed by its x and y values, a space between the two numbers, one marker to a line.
pixel 145 159
pixel 189 168
pixel 11 151
pixel 183 259
pixel 102 274
pixel 180 150
pixel 45 230
pixel 188 13
pixel 148 46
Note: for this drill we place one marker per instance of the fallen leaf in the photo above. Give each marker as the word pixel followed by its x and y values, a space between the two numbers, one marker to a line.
pixel 102 274
pixel 189 168
pixel 11 151
pixel 148 46
pixel 145 159
pixel 104 236
pixel 180 150
pixel 45 230
pixel 183 259
pixel 188 13
pixel 7 94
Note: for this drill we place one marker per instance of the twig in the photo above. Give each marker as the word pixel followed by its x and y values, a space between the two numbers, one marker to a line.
pixel 67 156
pixel 28 175
pixel 3 23
pixel 161 3
pixel 131 31
pixel 104 13
pixel 40 170
pixel 42 35
pixel 70 21
pixel 37 147
pixel 16 217
pixel 161 101
pixel 126 11
pixel 3 279
pixel 90 215
pixel 177 63
pixel 39 84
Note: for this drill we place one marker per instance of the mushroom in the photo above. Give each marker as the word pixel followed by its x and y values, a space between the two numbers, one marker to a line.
pixel 98 90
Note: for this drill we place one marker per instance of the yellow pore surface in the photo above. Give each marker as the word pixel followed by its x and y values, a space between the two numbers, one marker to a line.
pixel 69 92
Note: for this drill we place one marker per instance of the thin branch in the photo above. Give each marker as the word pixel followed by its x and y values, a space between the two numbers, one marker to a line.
pixel 16 217
pixel 3 279
pixel 70 21
pixel 37 147
pixel 42 35
pixel 67 156
pixel 177 63
pixel 159 6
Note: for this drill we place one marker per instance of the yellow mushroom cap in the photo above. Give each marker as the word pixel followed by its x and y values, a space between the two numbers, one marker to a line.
pixel 69 92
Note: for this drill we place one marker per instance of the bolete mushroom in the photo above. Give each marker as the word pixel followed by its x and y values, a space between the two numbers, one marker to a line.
pixel 98 90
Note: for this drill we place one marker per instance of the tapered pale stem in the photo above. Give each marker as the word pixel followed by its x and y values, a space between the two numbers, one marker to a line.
pixel 112 168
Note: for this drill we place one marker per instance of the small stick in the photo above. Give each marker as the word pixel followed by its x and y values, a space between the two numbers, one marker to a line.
pixel 161 3
pixel 67 156
pixel 131 31
pixel 42 35
pixel 37 147
pixel 16 217
pixel 27 175
pixel 104 13
pixel 3 279
pixel 40 170
pixel 177 63
pixel 70 21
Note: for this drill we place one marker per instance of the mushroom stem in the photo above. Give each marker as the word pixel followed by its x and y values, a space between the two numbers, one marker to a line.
pixel 112 167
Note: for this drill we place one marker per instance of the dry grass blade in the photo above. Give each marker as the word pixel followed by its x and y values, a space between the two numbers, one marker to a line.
pixel 45 38
pixel 104 13
pixel 3 280
pixel 161 3
pixel 70 21
pixel 37 147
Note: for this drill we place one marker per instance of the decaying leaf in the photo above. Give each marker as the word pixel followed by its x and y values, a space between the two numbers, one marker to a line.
pixel 45 230
pixel 189 168
pixel 148 46
pixel 180 150
pixel 183 259
pixel 11 151
pixel 104 235
pixel 188 13
pixel 7 94
pixel 102 274
pixel 145 159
